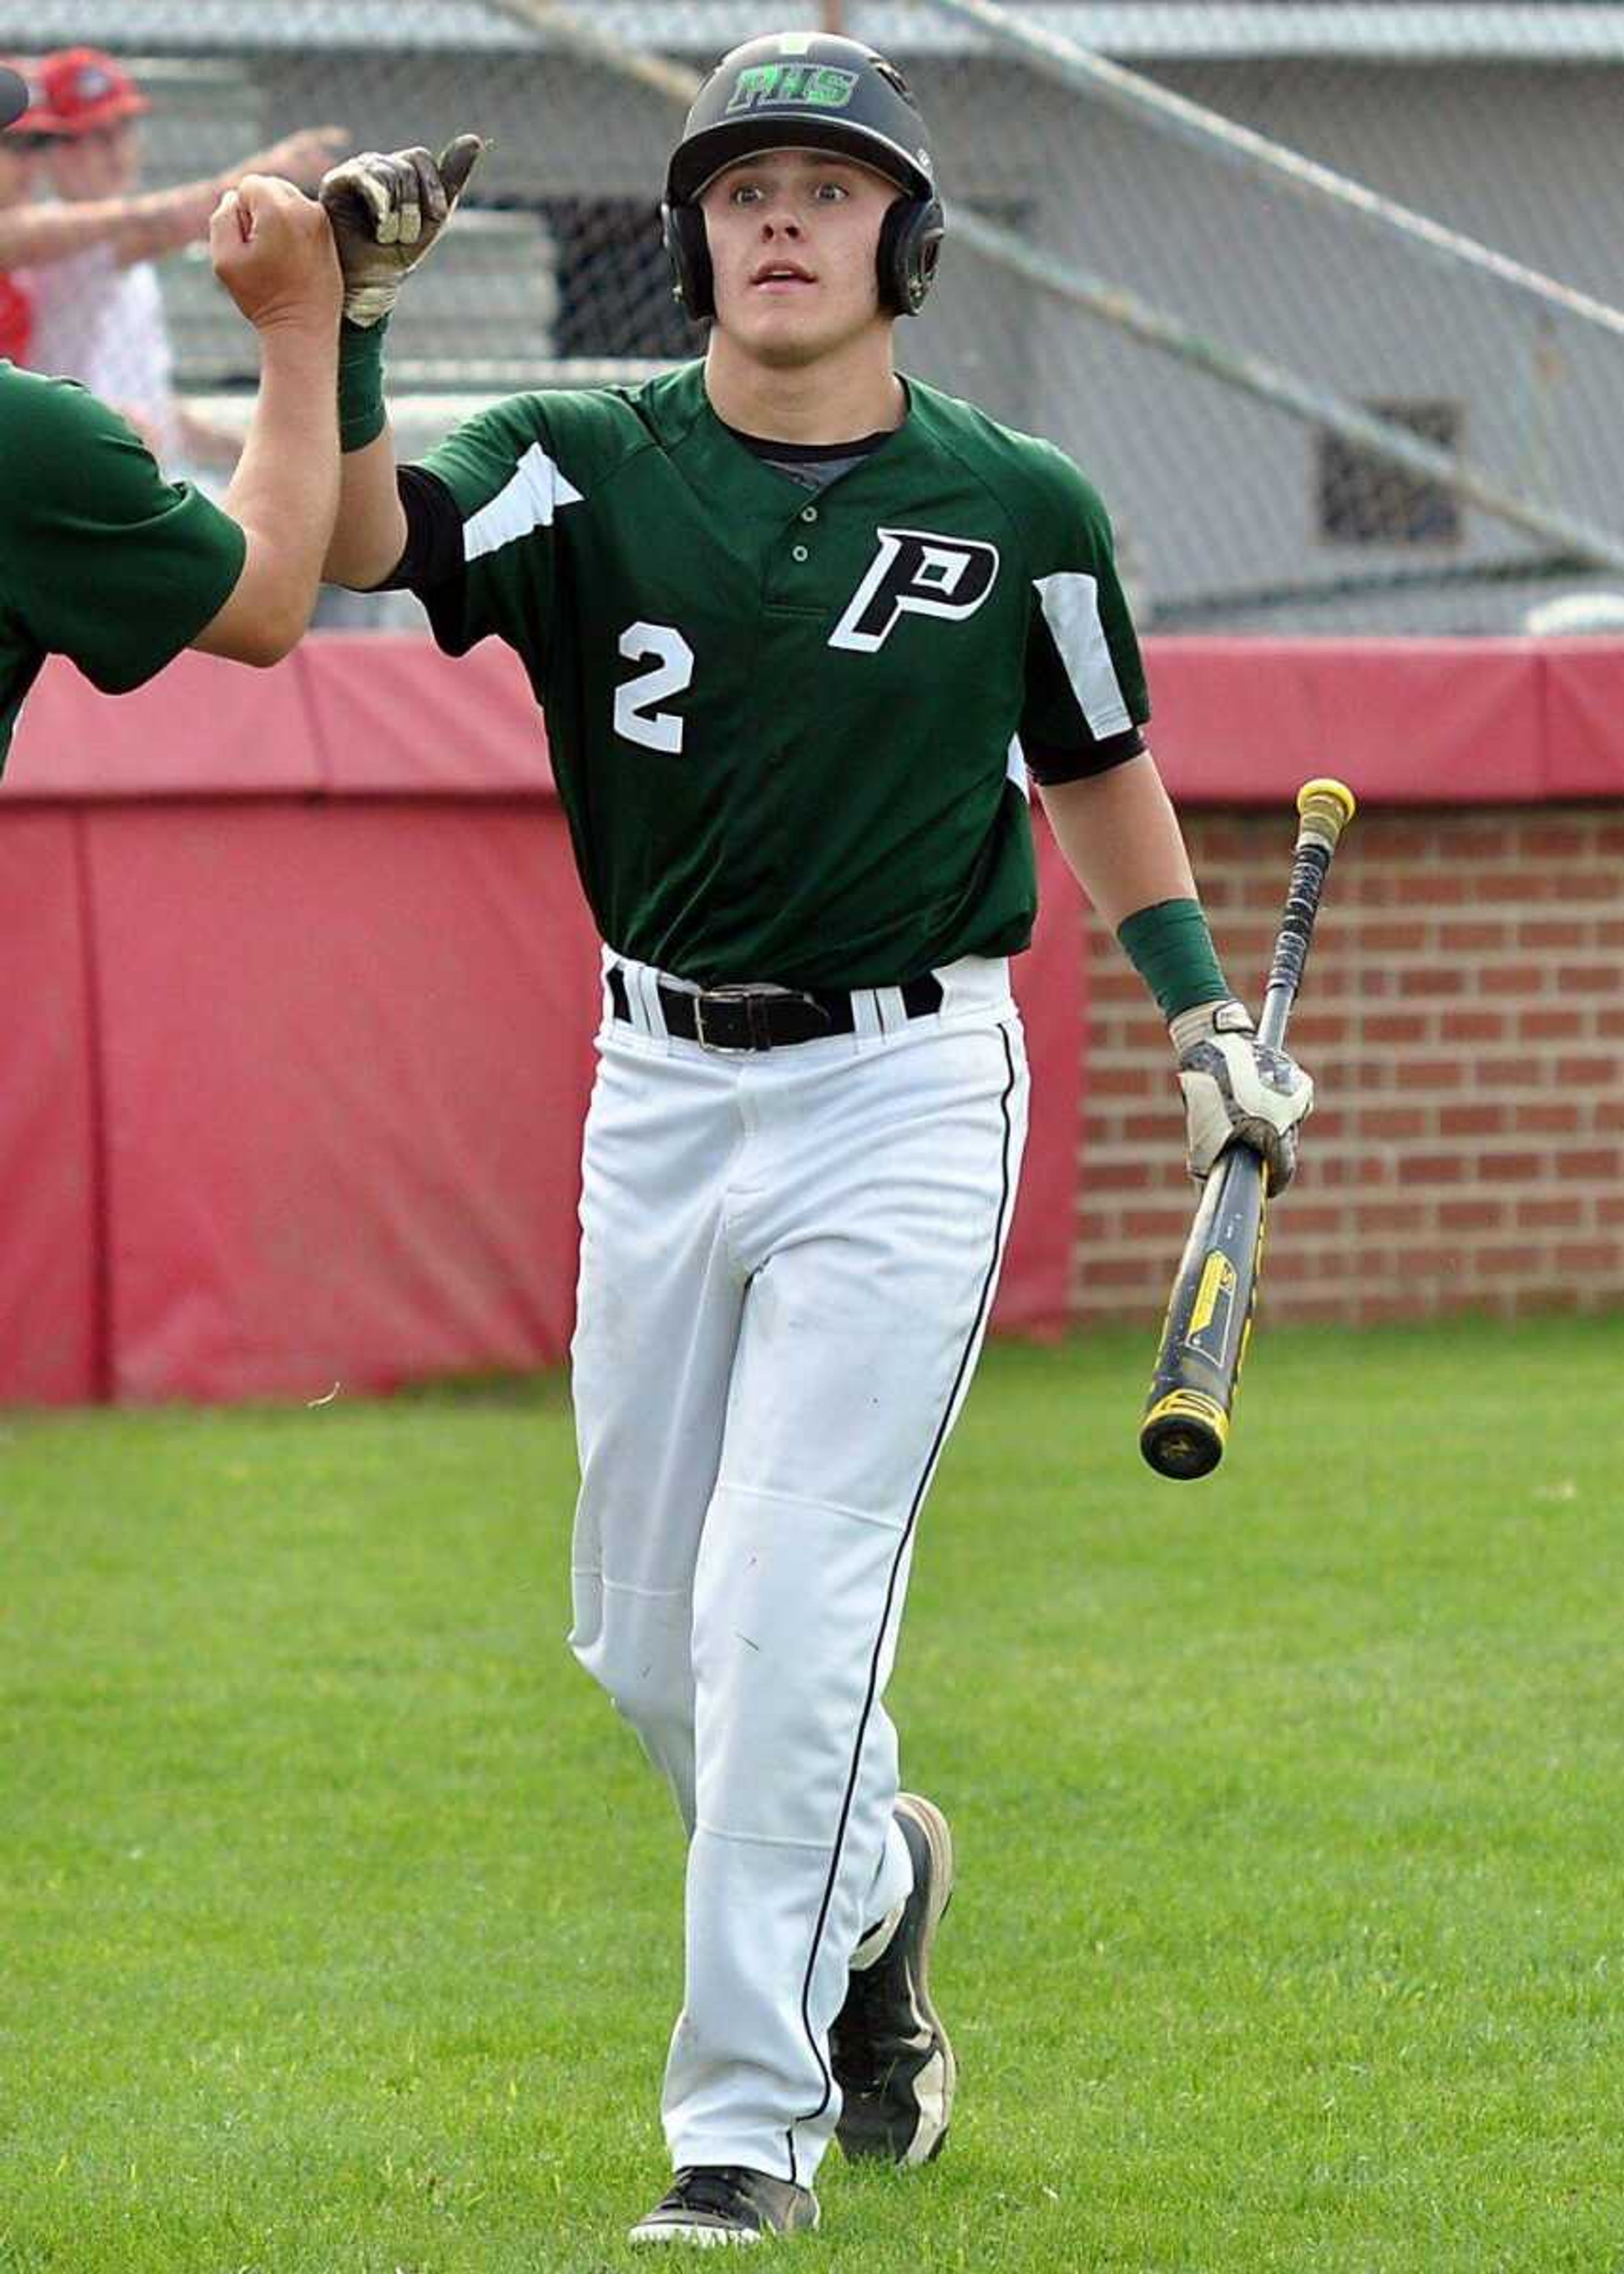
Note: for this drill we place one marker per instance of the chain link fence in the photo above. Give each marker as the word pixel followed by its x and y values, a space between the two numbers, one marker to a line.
pixel 1375 391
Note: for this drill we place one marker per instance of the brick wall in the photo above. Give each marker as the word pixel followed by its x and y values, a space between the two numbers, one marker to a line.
pixel 1464 1018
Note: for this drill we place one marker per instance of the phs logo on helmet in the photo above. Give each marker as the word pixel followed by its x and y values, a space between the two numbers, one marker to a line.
pixel 817 85
pixel 915 573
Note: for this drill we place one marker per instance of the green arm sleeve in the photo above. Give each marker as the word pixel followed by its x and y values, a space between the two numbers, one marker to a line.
pixel 1171 948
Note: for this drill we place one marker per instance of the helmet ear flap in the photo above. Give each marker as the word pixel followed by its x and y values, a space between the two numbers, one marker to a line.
pixel 688 248
pixel 909 248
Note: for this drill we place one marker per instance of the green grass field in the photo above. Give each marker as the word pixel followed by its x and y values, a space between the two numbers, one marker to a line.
pixel 339 1916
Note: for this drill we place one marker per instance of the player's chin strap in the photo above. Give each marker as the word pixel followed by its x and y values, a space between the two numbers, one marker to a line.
pixel 388 210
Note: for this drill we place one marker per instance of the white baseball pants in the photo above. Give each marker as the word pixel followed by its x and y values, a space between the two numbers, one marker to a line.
pixel 787 1262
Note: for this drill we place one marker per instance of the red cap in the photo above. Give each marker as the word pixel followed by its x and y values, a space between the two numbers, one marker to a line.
pixel 82 90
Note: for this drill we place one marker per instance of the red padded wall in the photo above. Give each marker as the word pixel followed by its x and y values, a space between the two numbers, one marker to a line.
pixel 347 1050
pixel 51 1346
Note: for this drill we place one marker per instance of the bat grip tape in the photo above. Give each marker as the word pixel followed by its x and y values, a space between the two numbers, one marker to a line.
pixel 1291 945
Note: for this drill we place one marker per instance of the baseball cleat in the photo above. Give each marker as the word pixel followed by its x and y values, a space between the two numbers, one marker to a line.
pixel 890 2055
pixel 713 2204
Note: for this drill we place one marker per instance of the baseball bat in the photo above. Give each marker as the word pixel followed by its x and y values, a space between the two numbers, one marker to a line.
pixel 1186 1420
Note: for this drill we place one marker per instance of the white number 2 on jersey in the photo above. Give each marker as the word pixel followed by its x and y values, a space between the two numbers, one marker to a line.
pixel 672 674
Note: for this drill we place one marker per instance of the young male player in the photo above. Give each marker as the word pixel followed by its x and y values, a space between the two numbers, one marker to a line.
pixel 104 562
pixel 802 630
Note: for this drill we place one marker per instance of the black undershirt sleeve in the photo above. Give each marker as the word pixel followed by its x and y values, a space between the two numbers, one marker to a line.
pixel 433 553
pixel 1049 763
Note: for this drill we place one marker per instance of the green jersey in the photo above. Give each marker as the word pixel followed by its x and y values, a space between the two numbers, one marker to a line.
pixel 100 559
pixel 791 732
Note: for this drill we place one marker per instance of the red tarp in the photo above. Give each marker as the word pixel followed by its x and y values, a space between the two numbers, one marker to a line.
pixel 51 1228
pixel 380 712
pixel 1584 682
pixel 1404 722
pixel 346 1052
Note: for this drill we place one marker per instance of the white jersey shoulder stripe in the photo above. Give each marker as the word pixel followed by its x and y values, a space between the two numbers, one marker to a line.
pixel 528 501
pixel 1072 610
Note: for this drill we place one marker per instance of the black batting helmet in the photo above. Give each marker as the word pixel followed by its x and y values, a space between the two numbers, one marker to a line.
pixel 799 90
pixel 13 97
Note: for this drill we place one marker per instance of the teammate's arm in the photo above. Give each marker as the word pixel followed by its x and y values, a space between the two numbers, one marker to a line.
pixel 146 226
pixel 302 158
pixel 273 251
pixel 130 568
pixel 299 158
pixel 137 228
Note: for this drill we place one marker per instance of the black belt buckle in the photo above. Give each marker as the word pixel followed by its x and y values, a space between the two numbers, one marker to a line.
pixel 739 1019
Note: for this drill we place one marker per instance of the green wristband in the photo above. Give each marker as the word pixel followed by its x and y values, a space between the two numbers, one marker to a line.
pixel 361 416
pixel 1170 947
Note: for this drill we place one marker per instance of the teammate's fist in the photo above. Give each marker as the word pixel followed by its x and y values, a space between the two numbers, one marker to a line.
pixel 1237 1089
pixel 272 250
pixel 387 211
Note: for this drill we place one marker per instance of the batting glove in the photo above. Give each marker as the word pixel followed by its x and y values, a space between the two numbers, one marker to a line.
pixel 387 212
pixel 1237 1089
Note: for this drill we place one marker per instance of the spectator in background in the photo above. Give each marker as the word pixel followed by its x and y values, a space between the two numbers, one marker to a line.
pixel 33 234
pixel 21 153
pixel 98 312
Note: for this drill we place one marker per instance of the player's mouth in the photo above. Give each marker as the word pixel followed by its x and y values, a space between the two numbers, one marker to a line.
pixel 781 276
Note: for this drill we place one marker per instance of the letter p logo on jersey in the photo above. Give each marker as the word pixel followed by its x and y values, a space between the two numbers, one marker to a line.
pixel 915 573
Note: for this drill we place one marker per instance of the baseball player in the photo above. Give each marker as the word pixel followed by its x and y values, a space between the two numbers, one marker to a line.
pixel 102 559
pixel 803 630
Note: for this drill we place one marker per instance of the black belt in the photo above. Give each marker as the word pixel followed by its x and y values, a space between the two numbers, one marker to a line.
pixel 760 1019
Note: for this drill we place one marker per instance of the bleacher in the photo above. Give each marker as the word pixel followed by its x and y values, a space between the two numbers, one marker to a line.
pixel 481 323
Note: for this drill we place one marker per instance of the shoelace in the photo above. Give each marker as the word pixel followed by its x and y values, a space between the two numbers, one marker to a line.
pixel 718 2191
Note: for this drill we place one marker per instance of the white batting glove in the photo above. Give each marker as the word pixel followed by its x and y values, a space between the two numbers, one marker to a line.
pixel 388 210
pixel 1238 1090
